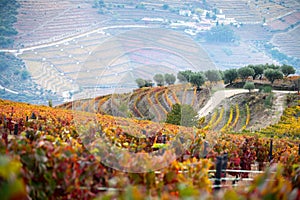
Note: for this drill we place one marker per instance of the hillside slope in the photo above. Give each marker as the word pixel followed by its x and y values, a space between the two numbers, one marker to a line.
pixel 247 111
pixel 145 103
pixel 100 60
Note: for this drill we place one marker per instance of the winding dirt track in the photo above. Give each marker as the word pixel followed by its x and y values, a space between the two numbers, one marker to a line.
pixel 220 95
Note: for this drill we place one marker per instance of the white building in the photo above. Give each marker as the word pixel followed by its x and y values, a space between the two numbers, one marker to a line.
pixel 187 13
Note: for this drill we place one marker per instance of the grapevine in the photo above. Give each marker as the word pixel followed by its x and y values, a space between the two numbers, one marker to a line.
pixel 158 102
pixel 211 121
pixel 225 127
pixel 237 114
pixel 169 102
pixel 219 119
pixel 247 117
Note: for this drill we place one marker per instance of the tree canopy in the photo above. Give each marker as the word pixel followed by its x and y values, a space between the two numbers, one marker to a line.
pixel 287 70
pixel 249 86
pixel 170 78
pixel 184 76
pixel 213 75
pixel 220 34
pixel 258 70
pixel 245 72
pixel 159 79
pixel 140 82
pixel 230 75
pixel 272 75
pixel 197 79
pixel 271 66
pixel 143 83
pixel 183 115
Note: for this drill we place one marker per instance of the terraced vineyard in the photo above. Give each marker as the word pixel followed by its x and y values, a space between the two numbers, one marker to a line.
pixel 112 141
pixel 245 112
pixel 84 48
pixel 145 103
pixel 288 125
pixel 253 12
pixel 228 119
pixel 228 56
pixel 287 42
pixel 245 14
pixel 53 154
pixel 102 61
pixel 43 22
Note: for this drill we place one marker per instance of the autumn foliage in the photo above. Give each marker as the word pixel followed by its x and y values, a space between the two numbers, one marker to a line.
pixel 57 157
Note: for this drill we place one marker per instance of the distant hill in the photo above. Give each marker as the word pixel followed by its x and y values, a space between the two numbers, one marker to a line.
pixel 80 47
pixel 102 61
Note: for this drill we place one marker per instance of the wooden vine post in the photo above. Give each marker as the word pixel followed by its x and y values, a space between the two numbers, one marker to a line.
pixel 270 152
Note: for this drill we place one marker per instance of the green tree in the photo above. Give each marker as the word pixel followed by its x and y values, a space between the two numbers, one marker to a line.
pixel 249 86
pixel 140 82
pixel 174 117
pixel 258 70
pixel 159 79
pixel 99 4
pixel 273 75
pixel 230 75
pixel 221 74
pixel 165 6
pixel 148 83
pixel 183 115
pixel 213 75
pixel 25 75
pixel 8 13
pixel 245 72
pixel 170 79
pixel 220 34
pixel 50 104
pixel 271 66
pixel 287 70
pixel 197 79
pixel 184 76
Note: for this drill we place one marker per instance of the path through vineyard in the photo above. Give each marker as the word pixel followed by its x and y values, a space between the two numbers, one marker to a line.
pixel 278 106
pixel 220 95
pixel 217 98
pixel 274 114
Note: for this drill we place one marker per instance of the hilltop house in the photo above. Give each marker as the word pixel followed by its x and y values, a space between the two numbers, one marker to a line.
pixel 186 13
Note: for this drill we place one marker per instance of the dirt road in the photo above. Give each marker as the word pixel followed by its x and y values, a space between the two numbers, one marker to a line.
pixel 220 95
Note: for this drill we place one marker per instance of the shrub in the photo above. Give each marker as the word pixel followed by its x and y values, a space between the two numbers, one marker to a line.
pixel 269 100
pixel 249 86
pixel 265 89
